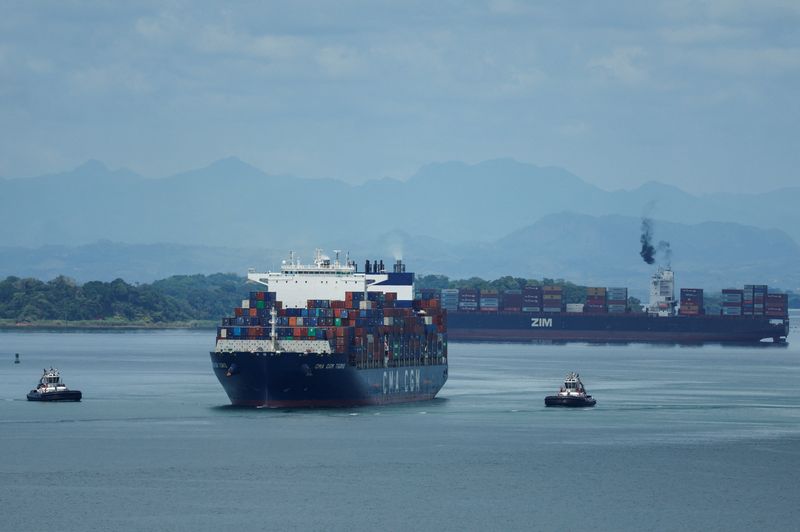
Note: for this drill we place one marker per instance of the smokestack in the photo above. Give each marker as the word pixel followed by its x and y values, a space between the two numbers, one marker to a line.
pixel 381 268
pixel 366 267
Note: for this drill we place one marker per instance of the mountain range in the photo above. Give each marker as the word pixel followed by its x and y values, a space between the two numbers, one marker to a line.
pixel 490 219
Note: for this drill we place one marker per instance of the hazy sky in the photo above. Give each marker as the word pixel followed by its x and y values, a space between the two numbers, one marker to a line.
pixel 702 95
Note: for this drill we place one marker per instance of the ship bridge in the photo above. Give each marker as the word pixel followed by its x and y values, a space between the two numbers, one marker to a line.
pixel 328 278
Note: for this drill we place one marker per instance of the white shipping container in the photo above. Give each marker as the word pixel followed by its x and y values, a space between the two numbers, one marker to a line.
pixel 245 303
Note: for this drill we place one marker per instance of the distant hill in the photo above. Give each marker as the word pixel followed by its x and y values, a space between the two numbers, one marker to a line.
pixel 232 204
pixel 590 250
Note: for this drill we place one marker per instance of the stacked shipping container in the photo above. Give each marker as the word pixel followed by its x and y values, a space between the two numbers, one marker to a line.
pixel 777 306
pixel 366 329
pixel 595 300
pixel 754 300
pixel 552 298
pixel 449 298
pixel 691 302
pixel 511 301
pixel 617 300
pixel 732 302
pixel 489 301
pixel 532 299
pixel 468 299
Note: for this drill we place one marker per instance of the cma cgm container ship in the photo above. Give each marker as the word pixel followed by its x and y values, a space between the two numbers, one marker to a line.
pixel 327 335
pixel 539 313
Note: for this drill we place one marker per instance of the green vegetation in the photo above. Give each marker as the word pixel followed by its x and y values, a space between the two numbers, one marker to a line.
pixel 182 300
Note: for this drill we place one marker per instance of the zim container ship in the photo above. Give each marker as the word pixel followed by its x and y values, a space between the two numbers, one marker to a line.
pixel 327 335
pixel 539 313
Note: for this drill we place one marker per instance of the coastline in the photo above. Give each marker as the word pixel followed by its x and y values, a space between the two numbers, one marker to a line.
pixel 104 325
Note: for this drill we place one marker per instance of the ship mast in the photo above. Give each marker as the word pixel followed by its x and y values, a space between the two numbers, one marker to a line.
pixel 272 336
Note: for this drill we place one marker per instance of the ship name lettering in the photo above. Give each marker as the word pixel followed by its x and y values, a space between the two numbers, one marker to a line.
pixel 541 322
pixel 410 381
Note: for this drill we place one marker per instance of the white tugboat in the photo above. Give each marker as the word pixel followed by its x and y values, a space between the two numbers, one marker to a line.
pixel 51 388
pixel 571 394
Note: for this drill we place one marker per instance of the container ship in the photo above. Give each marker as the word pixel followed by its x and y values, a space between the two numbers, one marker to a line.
pixel 540 313
pixel 326 335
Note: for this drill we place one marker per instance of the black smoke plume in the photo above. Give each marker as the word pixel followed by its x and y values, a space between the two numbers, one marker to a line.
pixel 665 251
pixel 648 251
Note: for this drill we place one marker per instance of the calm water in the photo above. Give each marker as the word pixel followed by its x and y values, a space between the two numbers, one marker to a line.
pixel 682 438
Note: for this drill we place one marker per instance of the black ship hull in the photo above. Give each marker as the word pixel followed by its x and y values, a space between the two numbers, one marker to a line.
pixel 559 400
pixel 69 395
pixel 297 380
pixel 609 328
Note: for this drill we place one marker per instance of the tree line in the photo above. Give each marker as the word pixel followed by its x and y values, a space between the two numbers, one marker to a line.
pixel 177 298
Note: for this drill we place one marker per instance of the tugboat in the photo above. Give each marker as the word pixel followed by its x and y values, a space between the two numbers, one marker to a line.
pixel 571 394
pixel 51 388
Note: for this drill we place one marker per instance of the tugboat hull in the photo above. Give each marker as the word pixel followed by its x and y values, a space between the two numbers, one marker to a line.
pixel 68 395
pixel 561 400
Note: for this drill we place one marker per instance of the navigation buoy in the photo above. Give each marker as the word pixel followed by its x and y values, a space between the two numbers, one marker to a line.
pixel 16 358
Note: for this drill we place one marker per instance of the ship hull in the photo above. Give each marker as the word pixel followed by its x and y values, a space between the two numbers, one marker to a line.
pixel 301 380
pixel 69 395
pixel 500 326
pixel 560 400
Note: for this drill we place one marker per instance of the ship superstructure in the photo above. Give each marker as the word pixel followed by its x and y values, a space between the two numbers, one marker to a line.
pixel 325 334
pixel 662 292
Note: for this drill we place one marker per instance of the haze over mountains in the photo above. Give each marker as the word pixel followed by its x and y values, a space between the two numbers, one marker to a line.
pixel 494 218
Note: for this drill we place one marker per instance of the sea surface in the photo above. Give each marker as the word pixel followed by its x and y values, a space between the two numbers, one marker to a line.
pixel 682 438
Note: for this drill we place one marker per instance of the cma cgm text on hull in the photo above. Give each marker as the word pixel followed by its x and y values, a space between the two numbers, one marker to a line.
pixel 326 335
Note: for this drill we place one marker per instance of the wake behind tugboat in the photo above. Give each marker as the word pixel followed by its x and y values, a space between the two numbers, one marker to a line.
pixel 51 388
pixel 571 394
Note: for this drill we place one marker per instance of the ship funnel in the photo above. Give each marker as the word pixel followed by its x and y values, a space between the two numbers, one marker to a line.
pixel 366 267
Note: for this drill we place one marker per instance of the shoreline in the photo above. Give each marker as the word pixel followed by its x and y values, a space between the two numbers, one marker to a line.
pixel 11 325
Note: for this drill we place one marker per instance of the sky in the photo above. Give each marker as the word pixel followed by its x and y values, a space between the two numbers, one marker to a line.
pixel 700 95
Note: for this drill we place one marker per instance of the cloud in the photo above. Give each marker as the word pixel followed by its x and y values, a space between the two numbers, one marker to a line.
pixel 110 78
pixel 574 129
pixel 622 65
pixel 701 34
pixel 748 62
pixel 509 7
pixel 339 60
pixel 221 36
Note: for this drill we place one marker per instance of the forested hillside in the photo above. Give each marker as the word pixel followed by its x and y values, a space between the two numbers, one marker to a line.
pixel 178 298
